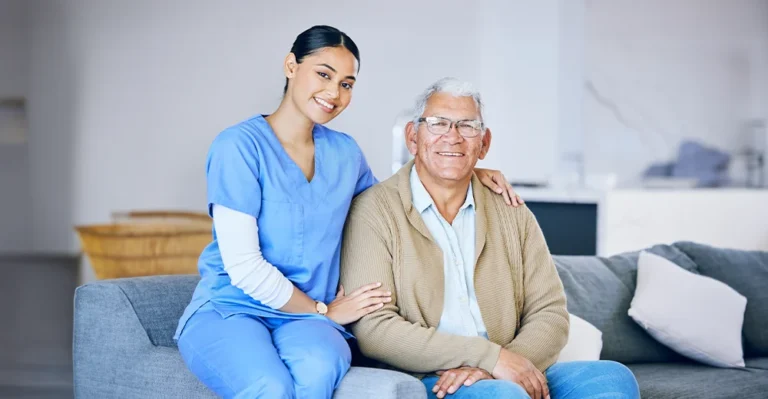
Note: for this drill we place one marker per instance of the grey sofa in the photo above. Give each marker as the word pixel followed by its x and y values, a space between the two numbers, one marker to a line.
pixel 123 346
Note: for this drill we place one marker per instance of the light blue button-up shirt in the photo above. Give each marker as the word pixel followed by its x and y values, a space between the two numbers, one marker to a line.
pixel 461 313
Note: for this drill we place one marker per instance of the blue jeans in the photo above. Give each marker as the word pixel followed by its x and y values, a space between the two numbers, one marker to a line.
pixel 246 357
pixel 572 380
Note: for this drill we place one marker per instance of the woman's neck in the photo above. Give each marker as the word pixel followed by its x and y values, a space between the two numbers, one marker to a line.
pixel 291 126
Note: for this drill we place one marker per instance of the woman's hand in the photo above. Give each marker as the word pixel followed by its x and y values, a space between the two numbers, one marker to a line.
pixel 349 309
pixel 496 181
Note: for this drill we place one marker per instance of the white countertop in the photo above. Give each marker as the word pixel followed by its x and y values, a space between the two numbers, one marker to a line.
pixel 561 195
pixel 577 195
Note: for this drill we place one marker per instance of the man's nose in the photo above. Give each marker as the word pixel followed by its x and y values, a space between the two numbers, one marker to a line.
pixel 453 136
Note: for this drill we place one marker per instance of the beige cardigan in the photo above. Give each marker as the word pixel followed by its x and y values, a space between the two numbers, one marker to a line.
pixel 519 292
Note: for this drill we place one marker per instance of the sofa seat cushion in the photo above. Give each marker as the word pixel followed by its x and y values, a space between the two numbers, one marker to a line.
pixel 694 380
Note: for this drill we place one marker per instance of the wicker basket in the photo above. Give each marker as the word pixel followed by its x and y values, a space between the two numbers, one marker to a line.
pixel 146 243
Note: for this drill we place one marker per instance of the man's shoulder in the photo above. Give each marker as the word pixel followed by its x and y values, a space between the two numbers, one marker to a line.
pixel 498 207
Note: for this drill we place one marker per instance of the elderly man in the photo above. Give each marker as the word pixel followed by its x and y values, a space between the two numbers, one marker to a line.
pixel 477 309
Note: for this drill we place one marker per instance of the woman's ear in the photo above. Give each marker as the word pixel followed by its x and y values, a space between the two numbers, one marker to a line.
pixel 290 65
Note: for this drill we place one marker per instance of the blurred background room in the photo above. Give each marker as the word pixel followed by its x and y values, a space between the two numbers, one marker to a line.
pixel 623 124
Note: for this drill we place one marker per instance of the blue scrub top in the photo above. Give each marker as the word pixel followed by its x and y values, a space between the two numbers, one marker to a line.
pixel 300 222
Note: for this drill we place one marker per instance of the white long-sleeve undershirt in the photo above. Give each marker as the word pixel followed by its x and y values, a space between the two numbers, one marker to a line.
pixel 238 238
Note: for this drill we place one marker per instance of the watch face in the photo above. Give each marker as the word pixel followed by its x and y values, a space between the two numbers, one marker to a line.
pixel 322 308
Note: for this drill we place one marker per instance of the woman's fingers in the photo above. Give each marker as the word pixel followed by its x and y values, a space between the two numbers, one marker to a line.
pixel 364 288
pixel 374 301
pixel 370 309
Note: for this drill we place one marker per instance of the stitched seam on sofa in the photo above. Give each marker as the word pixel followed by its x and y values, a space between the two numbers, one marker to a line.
pixel 604 262
pixel 138 319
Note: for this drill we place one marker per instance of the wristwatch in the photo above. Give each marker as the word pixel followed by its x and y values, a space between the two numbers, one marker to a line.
pixel 321 308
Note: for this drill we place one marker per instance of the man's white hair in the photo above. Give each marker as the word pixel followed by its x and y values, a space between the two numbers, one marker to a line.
pixel 452 86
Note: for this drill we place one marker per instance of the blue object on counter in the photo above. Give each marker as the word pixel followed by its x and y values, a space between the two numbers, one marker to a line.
pixel 708 165
pixel 694 160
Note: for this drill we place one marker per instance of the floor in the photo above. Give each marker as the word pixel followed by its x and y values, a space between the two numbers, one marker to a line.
pixel 36 307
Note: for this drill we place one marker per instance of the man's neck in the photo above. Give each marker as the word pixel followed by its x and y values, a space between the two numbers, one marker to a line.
pixel 448 195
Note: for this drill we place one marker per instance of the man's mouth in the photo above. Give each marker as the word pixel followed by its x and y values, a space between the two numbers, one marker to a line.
pixel 325 105
pixel 450 154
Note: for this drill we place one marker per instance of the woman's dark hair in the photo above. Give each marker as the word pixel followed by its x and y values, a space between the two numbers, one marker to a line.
pixel 317 38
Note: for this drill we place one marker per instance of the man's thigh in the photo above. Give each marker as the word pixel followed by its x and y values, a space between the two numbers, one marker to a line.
pixel 481 389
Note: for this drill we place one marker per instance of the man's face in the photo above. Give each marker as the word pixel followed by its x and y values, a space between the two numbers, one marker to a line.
pixel 450 156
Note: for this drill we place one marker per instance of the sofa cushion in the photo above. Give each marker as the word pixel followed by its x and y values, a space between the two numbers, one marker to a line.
pixel 758 363
pixel 747 273
pixel 599 290
pixel 159 302
pixel 694 380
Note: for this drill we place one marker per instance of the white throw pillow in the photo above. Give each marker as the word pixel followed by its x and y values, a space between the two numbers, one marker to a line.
pixel 696 316
pixel 585 341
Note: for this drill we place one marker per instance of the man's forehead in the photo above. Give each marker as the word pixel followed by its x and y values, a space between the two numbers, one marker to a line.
pixel 450 104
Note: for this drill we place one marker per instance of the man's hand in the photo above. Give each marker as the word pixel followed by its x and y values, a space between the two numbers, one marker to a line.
pixel 515 368
pixel 451 380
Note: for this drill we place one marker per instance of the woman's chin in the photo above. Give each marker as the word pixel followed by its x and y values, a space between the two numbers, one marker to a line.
pixel 319 116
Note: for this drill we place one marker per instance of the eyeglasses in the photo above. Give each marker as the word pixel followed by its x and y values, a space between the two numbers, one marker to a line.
pixel 440 126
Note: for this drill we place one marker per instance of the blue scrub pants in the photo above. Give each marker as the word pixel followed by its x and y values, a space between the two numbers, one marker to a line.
pixel 244 356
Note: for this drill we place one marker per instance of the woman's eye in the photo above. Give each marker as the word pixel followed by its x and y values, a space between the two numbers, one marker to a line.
pixel 323 75
pixel 346 86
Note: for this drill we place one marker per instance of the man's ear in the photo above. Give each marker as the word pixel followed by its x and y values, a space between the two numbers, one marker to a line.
pixel 486 143
pixel 290 65
pixel 410 138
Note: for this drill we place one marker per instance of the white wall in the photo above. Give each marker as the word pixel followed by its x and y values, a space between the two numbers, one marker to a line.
pixel 125 97
pixel 634 219
pixel 659 71
pixel 13 45
pixel 15 209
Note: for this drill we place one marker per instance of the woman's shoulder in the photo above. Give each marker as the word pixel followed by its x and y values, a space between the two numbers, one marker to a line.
pixel 340 139
pixel 251 128
pixel 245 134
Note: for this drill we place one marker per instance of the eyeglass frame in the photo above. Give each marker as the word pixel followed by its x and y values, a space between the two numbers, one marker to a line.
pixel 453 123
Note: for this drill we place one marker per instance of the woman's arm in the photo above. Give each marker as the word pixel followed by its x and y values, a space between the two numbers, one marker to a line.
pixel 238 238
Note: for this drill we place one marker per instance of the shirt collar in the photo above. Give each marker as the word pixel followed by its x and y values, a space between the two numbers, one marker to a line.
pixel 421 198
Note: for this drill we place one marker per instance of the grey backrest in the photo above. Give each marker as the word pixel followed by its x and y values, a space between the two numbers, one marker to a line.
pixel 600 291
pixel 745 272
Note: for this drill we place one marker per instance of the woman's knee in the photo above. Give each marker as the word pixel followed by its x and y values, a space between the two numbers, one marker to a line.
pixel 235 358
pixel 322 363
pixel 326 353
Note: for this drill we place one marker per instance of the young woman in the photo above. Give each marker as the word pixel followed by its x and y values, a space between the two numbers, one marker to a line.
pixel 279 188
